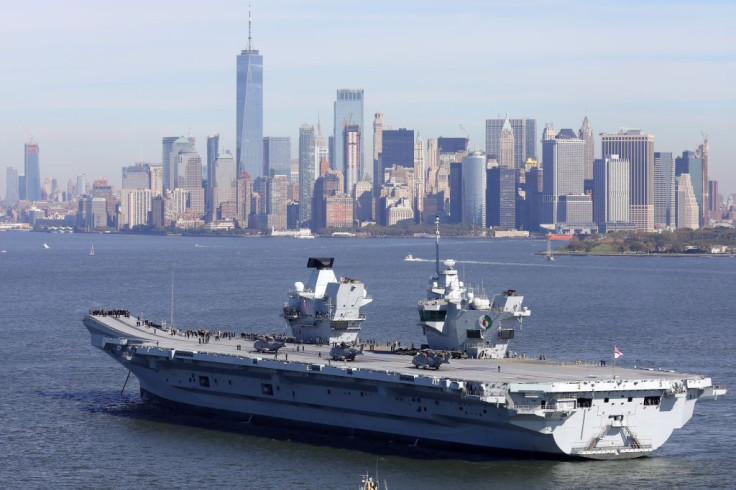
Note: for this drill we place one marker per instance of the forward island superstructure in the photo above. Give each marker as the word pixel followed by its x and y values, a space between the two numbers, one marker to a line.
pixel 496 403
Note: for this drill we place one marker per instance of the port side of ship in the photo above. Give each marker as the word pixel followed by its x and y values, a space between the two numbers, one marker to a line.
pixel 605 419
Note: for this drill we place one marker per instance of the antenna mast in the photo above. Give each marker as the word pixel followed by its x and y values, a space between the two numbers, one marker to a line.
pixel 249 38
pixel 171 319
pixel 437 244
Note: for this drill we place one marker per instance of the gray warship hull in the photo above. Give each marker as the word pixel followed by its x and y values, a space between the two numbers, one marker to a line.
pixel 578 411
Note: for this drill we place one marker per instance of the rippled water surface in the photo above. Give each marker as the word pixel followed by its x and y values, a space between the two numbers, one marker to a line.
pixel 65 422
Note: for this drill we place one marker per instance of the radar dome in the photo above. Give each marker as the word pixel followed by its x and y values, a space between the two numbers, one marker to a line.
pixel 299 286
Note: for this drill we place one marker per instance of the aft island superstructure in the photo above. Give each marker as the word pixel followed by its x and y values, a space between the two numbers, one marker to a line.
pixel 484 400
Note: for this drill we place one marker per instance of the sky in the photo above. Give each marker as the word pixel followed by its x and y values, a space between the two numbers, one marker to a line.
pixel 98 84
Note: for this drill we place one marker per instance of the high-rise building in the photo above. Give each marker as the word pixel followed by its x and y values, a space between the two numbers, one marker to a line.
pixel 243 196
pixel 81 184
pixel 330 184
pixel 456 192
pixel 348 110
pixel 474 189
pixel 562 160
pixel 189 168
pixel 135 207
pixel 501 197
pixel 321 153
pixel 363 201
pixel 714 201
pixel 397 149
pixel 351 154
pixel 276 156
pixel 213 150
pixel 378 125
pixel 11 186
pixel 418 178
pixel 249 107
pixel 703 152
pixel 688 212
pixel 224 188
pixel 32 172
pixel 611 191
pixel 306 172
pixel 157 180
pixel 137 176
pixel 585 133
pixel 525 143
pixel 276 202
pixel 638 148
pixel 506 146
pixel 691 163
pixel 167 142
pixel 664 189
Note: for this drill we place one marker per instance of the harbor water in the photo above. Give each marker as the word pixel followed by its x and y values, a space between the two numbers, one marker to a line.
pixel 69 422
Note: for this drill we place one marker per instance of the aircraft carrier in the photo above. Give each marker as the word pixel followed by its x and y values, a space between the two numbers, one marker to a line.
pixel 485 400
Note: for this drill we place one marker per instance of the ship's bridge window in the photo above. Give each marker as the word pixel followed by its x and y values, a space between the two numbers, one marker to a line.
pixel 432 315
pixel 473 334
pixel 204 381
pixel 585 402
pixel 651 400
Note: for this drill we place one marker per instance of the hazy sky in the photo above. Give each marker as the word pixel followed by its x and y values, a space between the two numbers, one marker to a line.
pixel 97 82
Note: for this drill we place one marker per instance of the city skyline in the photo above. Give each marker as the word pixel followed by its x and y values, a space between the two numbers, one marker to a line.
pixel 122 80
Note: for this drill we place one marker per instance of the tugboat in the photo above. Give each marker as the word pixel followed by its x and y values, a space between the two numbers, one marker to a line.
pixel 326 309
pixel 456 318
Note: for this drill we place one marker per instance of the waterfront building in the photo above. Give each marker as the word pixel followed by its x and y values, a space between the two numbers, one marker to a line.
pixel 348 110
pixel 525 142
pixel 363 201
pixel 688 212
pixel 664 189
pixel 306 172
pixel 249 110
pixel 11 186
pixel 276 156
pixel 691 163
pixel 189 178
pixel 474 189
pixel 32 171
pixel 456 192
pixel 585 133
pixel 330 184
pixel 135 207
pixel 611 191
pixel 638 148
pixel 339 211
pixel 95 213
pixel 714 201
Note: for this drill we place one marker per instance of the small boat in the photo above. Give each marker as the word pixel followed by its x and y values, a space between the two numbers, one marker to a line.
pixel 411 258
pixel 45 246
pixel 3 251
pixel 91 250
pixel 304 237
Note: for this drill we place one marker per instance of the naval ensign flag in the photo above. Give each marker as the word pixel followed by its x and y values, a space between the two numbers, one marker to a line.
pixel 616 353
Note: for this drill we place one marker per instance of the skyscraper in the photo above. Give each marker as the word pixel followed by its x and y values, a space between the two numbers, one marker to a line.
pixel 167 142
pixel 501 197
pixel 474 189
pixel 664 189
pixel 611 190
pixel 691 163
pixel 225 183
pixel 213 150
pixel 32 172
pixel 638 148
pixel 586 134
pixel 11 186
pixel 688 214
pixel 397 149
pixel 506 146
pixel 703 153
pixel 525 143
pixel 306 172
pixel 348 110
pixel 351 151
pixel 378 125
pixel 249 106
pixel 276 156
pixel 562 160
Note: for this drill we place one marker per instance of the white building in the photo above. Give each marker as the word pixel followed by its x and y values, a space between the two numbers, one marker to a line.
pixel 687 204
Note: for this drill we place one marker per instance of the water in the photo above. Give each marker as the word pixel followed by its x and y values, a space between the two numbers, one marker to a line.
pixel 65 423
